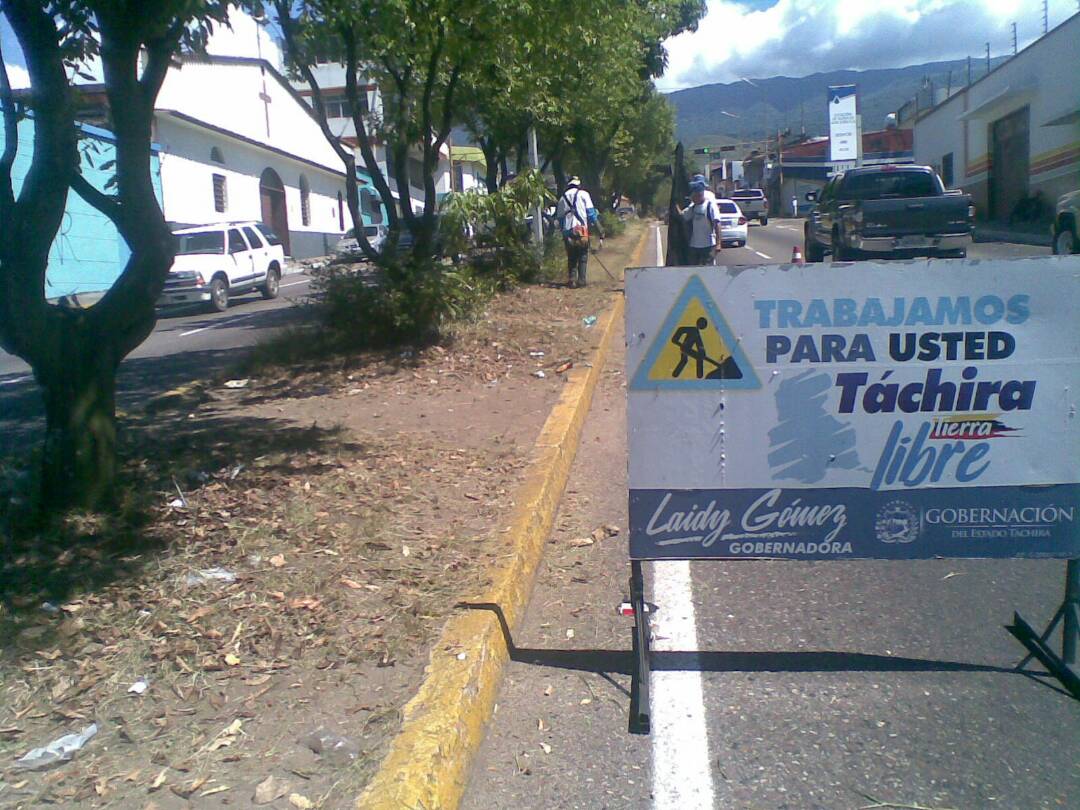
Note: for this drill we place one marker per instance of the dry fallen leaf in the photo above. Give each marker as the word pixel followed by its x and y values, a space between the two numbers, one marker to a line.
pixel 232 659
pixel 301 802
pixel 582 542
pixel 159 780
pixel 213 790
pixel 278 560
pixel 270 790
pixel 308 602
pixel 546 748
pixel 351 583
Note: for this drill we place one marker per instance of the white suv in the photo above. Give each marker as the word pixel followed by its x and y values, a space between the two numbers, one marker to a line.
pixel 216 261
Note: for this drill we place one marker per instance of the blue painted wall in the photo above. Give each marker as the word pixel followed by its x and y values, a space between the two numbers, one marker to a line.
pixel 88 254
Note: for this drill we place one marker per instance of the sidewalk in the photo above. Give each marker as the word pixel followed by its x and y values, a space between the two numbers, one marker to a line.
pixel 1028 233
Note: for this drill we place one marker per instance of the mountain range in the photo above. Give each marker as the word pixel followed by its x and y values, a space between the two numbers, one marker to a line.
pixel 715 114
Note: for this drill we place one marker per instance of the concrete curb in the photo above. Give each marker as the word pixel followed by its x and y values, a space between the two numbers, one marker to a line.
pixel 1016 237
pixel 443 725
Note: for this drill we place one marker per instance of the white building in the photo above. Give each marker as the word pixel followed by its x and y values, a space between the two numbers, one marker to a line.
pixel 470 168
pixel 238 143
pixel 1013 133
pixel 330 77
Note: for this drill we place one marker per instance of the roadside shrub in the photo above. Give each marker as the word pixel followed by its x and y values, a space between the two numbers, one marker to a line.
pixel 492 229
pixel 408 302
pixel 612 225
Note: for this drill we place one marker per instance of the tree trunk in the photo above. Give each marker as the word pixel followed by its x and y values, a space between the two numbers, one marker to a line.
pixel 79 461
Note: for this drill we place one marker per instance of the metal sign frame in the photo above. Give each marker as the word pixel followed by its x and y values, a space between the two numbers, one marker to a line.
pixel 640 360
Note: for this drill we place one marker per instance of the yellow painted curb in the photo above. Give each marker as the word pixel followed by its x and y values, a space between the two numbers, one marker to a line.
pixel 443 725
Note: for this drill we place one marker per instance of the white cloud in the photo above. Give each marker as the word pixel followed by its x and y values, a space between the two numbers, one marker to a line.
pixel 800 37
pixel 18 76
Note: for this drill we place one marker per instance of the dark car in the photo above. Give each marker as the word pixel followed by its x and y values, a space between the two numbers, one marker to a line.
pixel 890 211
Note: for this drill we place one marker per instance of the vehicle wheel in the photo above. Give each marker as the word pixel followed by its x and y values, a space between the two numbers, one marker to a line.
pixel 814 251
pixel 219 294
pixel 764 221
pixel 1065 244
pixel 272 286
pixel 741 243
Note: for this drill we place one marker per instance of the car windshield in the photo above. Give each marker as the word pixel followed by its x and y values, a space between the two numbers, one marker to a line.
pixel 728 208
pixel 211 242
pixel 888 185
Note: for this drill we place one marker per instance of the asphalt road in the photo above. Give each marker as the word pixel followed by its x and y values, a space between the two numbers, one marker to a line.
pixel 186 345
pixel 816 685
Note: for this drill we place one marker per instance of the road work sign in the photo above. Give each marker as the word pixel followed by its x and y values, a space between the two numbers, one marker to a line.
pixel 901 410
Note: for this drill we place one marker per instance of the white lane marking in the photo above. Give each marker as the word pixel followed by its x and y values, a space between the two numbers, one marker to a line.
pixel 218 325
pixel 682 774
pixel 763 255
pixel 294 284
pixel 659 249
pixel 23 378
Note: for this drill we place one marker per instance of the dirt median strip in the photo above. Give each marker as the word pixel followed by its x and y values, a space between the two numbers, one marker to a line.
pixel 428 762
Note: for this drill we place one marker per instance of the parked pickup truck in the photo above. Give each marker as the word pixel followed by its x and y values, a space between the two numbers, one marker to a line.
pixel 891 211
pixel 753 203
pixel 1066 228
pixel 214 262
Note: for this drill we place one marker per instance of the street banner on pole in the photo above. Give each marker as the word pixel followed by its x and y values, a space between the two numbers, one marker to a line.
pixel 843 124
pixel 898 411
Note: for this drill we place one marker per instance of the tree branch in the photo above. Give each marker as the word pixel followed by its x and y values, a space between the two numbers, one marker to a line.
pixel 103 203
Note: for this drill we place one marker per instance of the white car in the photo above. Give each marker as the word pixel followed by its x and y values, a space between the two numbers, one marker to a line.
pixel 214 262
pixel 733 225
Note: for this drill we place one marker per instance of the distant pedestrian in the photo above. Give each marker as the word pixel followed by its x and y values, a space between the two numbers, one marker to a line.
pixel 577 213
pixel 706 236
pixel 794 206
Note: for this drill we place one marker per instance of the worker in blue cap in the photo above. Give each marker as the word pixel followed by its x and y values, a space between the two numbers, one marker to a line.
pixel 704 218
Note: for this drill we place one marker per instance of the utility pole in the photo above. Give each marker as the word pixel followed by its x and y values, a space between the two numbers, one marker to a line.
pixel 538 215
pixel 987 57
pixel 948 87
pixel 1014 38
pixel 1046 17
pixel 969 71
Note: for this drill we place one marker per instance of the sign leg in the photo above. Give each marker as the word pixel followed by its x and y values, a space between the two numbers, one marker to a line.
pixel 639 684
pixel 1061 667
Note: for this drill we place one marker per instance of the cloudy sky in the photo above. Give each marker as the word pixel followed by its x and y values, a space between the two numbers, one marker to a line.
pixel 763 38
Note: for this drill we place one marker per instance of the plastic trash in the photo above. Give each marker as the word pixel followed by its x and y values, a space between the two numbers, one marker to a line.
pixel 237 383
pixel 335 749
pixel 539 374
pixel 59 751
pixel 536 354
pixel 139 687
pixel 210 575
pixel 50 608
pixel 589 321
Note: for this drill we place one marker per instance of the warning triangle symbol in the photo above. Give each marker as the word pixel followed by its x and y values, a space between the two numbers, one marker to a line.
pixel 694 349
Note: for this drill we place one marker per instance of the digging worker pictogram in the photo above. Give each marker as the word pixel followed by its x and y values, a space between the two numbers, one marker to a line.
pixel 692 346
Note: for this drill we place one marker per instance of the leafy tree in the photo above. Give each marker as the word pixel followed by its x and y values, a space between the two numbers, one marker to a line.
pixel 75 353
pixel 417 52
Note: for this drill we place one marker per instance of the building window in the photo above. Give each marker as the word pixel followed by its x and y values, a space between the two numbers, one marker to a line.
pixel 338 106
pixel 305 201
pixel 216 156
pixel 947 170
pixel 415 170
pixel 221 196
pixel 370 206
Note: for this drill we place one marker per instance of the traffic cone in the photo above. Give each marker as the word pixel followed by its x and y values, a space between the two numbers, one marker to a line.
pixel 796 256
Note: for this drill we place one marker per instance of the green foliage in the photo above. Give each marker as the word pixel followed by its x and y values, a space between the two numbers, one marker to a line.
pixel 498 221
pixel 409 303
pixel 612 225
